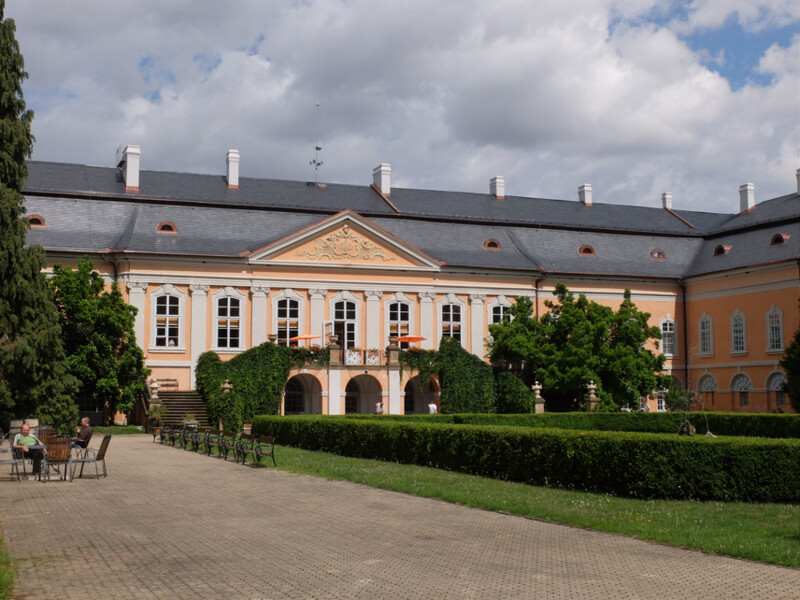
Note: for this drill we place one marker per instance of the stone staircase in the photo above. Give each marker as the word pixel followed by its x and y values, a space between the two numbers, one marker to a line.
pixel 180 404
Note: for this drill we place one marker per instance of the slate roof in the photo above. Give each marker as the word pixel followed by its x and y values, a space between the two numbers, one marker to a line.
pixel 87 209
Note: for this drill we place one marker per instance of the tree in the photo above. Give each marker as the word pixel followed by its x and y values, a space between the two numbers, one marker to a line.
pixel 791 364
pixel 578 341
pixel 467 381
pixel 98 334
pixel 34 376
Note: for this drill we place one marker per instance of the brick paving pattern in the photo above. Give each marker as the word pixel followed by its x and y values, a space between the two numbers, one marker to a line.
pixel 168 523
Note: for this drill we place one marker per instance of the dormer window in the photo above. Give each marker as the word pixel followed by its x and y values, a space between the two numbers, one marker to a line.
pixel 658 254
pixel 491 244
pixel 721 249
pixel 779 238
pixel 36 221
pixel 167 227
pixel 586 251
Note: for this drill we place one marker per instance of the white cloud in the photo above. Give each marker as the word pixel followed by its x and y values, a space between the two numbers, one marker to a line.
pixel 451 93
pixel 751 15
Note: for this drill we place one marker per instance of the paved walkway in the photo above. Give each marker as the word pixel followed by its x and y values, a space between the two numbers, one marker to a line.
pixel 168 523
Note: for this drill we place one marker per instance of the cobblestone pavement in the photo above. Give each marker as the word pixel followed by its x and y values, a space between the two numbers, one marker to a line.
pixel 168 523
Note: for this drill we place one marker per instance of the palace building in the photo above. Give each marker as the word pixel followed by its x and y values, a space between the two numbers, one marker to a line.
pixel 223 263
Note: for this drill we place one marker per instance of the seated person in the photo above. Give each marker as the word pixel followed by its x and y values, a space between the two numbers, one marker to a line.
pixel 85 432
pixel 22 441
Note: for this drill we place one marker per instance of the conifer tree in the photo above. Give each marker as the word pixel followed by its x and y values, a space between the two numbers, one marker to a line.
pixel 34 376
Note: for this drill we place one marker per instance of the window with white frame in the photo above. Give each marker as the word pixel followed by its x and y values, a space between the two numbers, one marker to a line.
pixel 741 386
pixel 706 335
pixel 345 323
pixel 167 317
pixel 229 312
pixel 738 333
pixel 669 345
pixel 499 314
pixel 400 320
pixel 775 329
pixel 451 321
pixel 287 316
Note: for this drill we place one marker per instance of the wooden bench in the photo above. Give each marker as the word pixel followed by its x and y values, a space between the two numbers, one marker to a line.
pixel 258 447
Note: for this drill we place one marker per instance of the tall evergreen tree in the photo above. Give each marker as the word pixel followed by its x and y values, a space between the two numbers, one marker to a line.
pixel 34 376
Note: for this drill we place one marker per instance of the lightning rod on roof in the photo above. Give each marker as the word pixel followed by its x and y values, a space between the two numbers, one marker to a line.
pixel 316 163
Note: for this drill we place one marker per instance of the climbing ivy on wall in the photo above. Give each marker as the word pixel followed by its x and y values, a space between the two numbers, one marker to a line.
pixel 258 377
pixel 467 381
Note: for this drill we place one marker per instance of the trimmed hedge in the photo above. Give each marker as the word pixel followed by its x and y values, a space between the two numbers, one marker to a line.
pixel 720 423
pixel 626 464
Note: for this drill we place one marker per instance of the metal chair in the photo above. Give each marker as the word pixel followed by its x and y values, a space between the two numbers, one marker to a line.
pixel 94 455
pixel 7 457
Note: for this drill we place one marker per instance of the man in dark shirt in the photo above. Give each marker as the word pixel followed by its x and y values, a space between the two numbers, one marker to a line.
pixel 85 432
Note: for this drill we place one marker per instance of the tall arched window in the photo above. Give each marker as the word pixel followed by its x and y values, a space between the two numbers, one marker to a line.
pixel 706 335
pixel 669 336
pixel 707 387
pixel 399 320
pixel 287 316
pixel 738 333
pixel 345 323
pixel 229 313
pixel 777 395
pixel 167 319
pixel 774 329
pixel 451 321
pixel 741 386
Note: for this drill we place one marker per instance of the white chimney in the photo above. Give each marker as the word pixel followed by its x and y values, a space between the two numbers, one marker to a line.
pixel 232 160
pixel 585 194
pixel 497 187
pixel 130 166
pixel 666 200
pixel 747 197
pixel 382 178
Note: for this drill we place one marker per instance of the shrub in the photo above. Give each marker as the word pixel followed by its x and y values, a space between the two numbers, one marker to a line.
pixel 512 396
pixel 467 381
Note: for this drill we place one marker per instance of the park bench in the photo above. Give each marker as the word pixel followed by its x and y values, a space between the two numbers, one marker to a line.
pixel 213 440
pixel 256 446
pixel 197 437
pixel 175 435
pixel 228 444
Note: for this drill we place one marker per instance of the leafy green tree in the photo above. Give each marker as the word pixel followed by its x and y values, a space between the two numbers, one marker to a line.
pixel 34 376
pixel 512 395
pixel 98 334
pixel 513 340
pixel 467 381
pixel 791 364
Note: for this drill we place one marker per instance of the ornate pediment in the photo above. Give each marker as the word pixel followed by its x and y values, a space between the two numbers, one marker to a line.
pixel 346 239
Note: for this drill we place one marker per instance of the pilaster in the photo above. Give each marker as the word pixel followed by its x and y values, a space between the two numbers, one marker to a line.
pixel 427 324
pixel 258 332
pixel 198 328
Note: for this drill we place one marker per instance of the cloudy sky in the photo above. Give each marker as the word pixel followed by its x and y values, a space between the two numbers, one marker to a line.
pixel 636 97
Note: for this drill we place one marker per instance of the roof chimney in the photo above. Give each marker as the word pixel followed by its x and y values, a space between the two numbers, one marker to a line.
pixel 747 197
pixel 585 194
pixel 382 178
pixel 232 160
pixel 130 166
pixel 666 200
pixel 497 187
pixel 798 181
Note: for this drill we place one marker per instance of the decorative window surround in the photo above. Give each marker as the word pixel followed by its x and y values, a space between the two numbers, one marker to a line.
pixel 167 291
pixel 669 336
pixel 233 296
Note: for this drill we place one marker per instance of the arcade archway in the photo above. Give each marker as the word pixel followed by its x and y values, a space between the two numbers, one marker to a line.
pixel 302 395
pixel 417 400
pixel 361 395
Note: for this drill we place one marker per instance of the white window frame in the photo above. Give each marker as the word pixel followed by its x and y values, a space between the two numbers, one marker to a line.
pixel 738 334
pixel 289 294
pixel 499 302
pixel 669 320
pixel 229 293
pixel 708 322
pixel 452 299
pixel 347 296
pixel 395 298
pixel 774 333
pixel 167 290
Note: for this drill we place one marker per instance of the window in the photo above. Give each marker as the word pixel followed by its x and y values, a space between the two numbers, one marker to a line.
pixel 288 325
pixel 775 384
pixel 707 387
pixel 228 312
pixel 738 333
pixel 168 321
pixel 166 227
pixel 499 314
pixel 741 386
pixel 399 320
pixel 779 238
pixel 491 244
pixel 586 251
pixel 658 254
pixel 706 335
pixel 451 321
pixel 721 249
pixel 668 336
pixel 775 329
pixel 344 323
pixel 36 221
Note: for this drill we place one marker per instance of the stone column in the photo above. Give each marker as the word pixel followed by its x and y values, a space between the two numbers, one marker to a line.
pixel 137 297
pixel 317 313
pixel 427 323
pixel 373 318
pixel 476 324
pixel 335 391
pixel 258 327
pixel 199 314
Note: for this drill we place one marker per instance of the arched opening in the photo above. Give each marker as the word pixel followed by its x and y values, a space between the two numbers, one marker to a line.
pixel 417 400
pixel 361 395
pixel 302 395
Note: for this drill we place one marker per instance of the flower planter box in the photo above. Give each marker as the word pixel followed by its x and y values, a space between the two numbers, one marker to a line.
pixel 373 358
pixel 352 357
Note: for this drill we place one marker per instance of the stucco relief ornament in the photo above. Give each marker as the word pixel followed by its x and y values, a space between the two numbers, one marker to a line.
pixel 345 245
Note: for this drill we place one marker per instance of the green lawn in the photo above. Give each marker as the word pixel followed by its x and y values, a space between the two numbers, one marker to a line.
pixel 763 532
